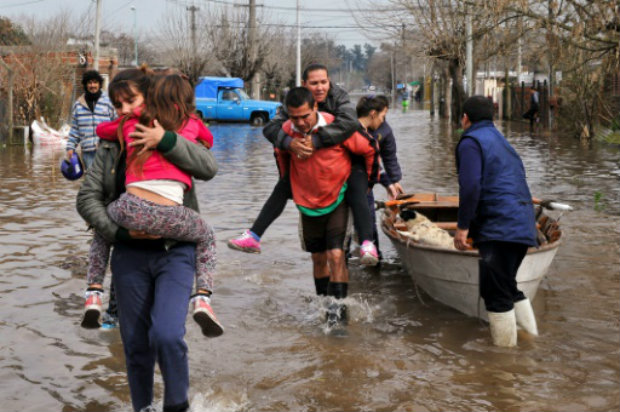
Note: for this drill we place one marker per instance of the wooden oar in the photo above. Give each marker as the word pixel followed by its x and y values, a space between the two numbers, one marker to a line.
pixel 407 199
pixel 551 204
pixel 379 204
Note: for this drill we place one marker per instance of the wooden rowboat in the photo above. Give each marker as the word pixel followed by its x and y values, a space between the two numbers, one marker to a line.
pixel 450 276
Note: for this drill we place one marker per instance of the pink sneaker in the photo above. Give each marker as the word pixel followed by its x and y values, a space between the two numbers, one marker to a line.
pixel 92 309
pixel 245 243
pixel 204 316
pixel 368 253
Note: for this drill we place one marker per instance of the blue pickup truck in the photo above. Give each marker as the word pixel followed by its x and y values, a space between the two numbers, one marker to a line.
pixel 223 99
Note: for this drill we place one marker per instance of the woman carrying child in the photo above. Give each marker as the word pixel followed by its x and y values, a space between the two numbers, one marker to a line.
pixel 154 191
pixel 153 276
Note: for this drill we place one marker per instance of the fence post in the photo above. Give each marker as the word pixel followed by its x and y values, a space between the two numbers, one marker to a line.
pixel 544 103
pixel 432 95
pixel 522 97
pixel 10 104
pixel 9 111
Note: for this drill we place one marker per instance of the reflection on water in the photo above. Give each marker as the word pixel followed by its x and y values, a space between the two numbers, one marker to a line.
pixel 402 350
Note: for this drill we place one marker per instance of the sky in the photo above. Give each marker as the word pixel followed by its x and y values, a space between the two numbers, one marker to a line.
pixel 323 16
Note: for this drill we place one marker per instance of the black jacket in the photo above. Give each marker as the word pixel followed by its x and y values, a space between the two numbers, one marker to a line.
pixel 336 103
pixel 387 150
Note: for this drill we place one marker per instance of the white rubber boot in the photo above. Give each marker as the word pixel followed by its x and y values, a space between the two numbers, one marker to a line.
pixel 525 316
pixel 503 328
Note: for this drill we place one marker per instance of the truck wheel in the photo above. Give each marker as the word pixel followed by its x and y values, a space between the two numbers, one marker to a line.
pixel 257 120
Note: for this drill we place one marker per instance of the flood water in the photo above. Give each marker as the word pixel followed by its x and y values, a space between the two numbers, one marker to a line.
pixel 402 351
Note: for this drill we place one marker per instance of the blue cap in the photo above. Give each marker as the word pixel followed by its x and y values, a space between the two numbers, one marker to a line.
pixel 72 169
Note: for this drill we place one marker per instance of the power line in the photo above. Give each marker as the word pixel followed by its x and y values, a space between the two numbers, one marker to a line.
pixel 109 14
pixel 303 26
pixel 321 27
pixel 325 10
pixel 21 4
pixel 290 8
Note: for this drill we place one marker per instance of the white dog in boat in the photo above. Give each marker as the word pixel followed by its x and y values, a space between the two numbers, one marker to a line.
pixel 421 230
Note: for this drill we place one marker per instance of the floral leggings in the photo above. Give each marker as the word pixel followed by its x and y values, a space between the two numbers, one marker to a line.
pixel 170 222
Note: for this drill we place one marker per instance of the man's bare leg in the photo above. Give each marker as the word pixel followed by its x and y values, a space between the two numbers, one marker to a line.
pixel 321 272
pixel 338 286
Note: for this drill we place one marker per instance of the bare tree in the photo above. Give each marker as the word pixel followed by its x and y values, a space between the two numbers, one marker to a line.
pixel 222 45
pixel 579 38
pixel 175 39
pixel 227 32
pixel 125 46
pixel 582 39
pixel 44 79
pixel 432 29
pixel 279 64
pixel 379 71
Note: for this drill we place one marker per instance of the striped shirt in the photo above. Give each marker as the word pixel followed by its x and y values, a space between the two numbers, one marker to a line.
pixel 84 122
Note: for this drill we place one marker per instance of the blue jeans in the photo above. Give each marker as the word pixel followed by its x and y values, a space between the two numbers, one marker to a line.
pixel 153 289
pixel 88 158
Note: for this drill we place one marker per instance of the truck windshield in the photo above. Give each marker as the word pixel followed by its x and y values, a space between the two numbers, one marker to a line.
pixel 243 94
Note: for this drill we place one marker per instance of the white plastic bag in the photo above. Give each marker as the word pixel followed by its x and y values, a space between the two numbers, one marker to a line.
pixel 44 135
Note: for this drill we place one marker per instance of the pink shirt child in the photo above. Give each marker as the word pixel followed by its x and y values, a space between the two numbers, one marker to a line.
pixel 156 166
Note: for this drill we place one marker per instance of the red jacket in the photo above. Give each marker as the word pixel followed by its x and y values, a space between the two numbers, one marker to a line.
pixel 316 182
pixel 156 166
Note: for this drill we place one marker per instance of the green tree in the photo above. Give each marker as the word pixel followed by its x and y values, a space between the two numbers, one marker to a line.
pixel 359 62
pixel 370 51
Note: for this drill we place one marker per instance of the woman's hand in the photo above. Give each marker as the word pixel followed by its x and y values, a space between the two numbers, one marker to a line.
pixel 394 190
pixel 140 234
pixel 148 137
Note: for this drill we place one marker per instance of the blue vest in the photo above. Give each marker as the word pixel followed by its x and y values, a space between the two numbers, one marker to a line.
pixel 505 210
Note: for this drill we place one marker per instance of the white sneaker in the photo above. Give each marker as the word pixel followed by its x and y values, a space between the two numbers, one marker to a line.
pixel 92 309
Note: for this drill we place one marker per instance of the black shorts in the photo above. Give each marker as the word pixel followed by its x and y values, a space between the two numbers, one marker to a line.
pixel 325 232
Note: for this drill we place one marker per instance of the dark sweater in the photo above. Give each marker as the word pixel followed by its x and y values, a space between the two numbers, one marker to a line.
pixel 470 175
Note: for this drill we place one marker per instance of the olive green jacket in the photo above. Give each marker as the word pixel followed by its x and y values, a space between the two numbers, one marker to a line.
pixel 105 179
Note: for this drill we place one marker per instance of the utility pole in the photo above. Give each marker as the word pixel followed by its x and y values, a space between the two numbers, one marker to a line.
pixel 298 59
pixel 552 40
pixel 135 35
pixel 393 64
pixel 252 48
pixel 469 55
pixel 402 39
pixel 519 50
pixel 193 9
pixel 97 31
pixel 9 109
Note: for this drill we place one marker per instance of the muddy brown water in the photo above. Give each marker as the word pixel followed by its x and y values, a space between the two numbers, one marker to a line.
pixel 402 350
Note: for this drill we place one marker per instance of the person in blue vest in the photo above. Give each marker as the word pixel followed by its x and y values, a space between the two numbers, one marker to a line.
pixel 496 211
